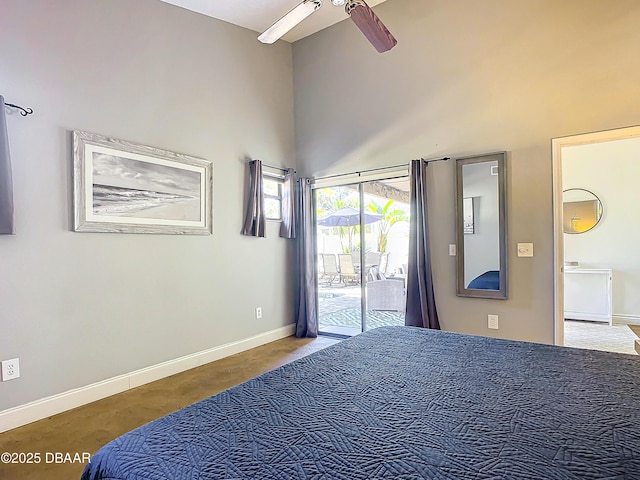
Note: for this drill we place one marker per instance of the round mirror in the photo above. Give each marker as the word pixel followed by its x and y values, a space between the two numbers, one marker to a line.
pixel 581 210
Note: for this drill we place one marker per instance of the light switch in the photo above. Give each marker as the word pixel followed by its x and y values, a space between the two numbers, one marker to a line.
pixel 525 249
pixel 452 250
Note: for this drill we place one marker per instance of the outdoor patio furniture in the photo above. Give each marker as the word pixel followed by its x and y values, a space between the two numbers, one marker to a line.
pixel 329 267
pixel 355 256
pixel 371 261
pixel 387 294
pixel 347 269
pixel 383 263
pixel 372 258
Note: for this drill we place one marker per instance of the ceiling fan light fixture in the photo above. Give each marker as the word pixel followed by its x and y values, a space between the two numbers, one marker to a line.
pixel 338 3
pixel 290 20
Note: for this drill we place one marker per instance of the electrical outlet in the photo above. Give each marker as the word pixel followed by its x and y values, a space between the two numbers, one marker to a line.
pixel 493 321
pixel 10 369
pixel 258 312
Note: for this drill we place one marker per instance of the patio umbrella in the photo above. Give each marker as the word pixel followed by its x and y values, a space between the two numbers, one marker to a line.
pixel 347 217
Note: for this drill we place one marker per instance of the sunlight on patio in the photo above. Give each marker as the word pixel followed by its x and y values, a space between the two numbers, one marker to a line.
pixel 343 262
pixel 339 306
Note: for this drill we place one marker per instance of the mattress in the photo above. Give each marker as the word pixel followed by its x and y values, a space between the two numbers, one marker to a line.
pixel 403 403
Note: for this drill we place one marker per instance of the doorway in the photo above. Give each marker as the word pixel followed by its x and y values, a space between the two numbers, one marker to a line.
pixel 362 241
pixel 597 269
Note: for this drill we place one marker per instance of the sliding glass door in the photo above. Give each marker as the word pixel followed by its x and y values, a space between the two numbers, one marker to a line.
pixel 362 232
pixel 386 252
pixel 338 246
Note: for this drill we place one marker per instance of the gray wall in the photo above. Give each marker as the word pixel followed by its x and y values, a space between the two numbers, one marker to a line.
pixel 469 78
pixel 77 307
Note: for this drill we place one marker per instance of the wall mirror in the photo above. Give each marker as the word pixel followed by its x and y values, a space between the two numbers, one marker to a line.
pixel 481 233
pixel 581 210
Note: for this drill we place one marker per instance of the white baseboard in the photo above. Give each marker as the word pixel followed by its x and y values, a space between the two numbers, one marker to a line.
pixel 48 406
pixel 628 319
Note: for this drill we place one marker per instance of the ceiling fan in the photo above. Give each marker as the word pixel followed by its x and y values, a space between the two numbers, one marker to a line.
pixel 361 14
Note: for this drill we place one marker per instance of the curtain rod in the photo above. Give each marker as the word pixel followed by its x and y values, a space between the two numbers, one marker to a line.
pixel 23 111
pixel 358 173
pixel 282 169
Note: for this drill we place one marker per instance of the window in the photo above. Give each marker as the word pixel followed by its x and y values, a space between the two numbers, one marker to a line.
pixel 272 191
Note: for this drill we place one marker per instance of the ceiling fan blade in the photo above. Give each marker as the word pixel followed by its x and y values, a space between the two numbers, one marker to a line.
pixel 290 20
pixel 370 25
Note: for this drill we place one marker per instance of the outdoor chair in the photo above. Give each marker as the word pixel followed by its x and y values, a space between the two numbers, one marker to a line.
pixel 347 269
pixel 387 294
pixel 329 267
pixel 383 264
pixel 372 259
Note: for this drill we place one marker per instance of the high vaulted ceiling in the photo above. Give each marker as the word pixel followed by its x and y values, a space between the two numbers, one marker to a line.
pixel 258 15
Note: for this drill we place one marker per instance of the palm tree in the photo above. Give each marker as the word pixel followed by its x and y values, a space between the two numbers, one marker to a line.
pixel 390 216
pixel 327 203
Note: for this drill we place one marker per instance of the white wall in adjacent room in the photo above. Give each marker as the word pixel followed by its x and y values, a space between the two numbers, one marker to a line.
pixel 611 171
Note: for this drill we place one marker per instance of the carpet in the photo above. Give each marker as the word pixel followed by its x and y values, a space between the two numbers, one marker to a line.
pixel 599 336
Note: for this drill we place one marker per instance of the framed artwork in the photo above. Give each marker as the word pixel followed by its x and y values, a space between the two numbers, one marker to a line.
pixel 467 215
pixel 125 187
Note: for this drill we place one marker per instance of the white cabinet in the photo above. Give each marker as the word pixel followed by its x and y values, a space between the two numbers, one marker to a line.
pixel 587 294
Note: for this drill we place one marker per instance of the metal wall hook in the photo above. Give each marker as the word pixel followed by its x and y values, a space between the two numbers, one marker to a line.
pixel 23 111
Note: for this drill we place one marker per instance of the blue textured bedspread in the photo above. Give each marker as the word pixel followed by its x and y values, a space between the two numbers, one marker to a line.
pixel 487 281
pixel 403 403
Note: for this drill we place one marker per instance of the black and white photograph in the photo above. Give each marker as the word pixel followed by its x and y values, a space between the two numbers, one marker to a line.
pixel 467 211
pixel 132 188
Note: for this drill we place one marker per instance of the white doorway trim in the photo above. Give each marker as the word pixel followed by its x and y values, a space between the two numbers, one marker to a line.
pixel 557 146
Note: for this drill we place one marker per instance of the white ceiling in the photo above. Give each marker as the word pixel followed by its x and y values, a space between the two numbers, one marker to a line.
pixel 258 15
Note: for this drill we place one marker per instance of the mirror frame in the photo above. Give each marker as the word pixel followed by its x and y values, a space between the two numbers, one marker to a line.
pixel 462 291
pixel 600 210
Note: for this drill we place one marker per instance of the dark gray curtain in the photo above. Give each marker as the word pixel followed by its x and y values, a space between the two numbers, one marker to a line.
pixel 421 302
pixel 288 225
pixel 6 178
pixel 254 220
pixel 306 311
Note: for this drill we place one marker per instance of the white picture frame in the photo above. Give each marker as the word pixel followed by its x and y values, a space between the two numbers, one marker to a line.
pixel 467 212
pixel 125 187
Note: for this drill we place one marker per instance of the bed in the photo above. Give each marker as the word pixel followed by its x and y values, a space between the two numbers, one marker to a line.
pixel 489 280
pixel 403 403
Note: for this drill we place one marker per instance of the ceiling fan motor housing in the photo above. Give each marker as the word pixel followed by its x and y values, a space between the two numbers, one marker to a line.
pixel 351 4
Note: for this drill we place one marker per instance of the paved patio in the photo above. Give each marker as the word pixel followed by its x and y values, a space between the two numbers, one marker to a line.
pixel 340 306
